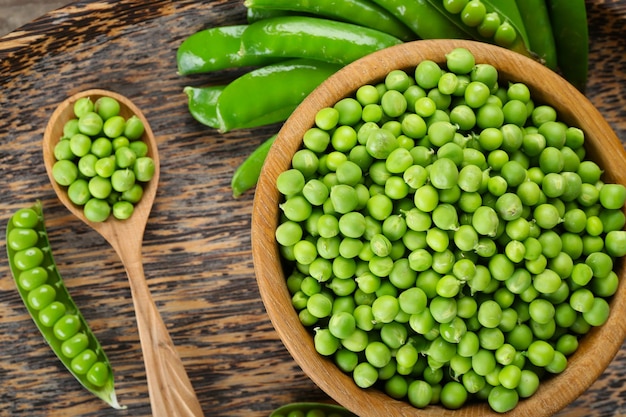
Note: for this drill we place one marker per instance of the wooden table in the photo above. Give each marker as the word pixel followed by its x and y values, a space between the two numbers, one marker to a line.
pixel 197 244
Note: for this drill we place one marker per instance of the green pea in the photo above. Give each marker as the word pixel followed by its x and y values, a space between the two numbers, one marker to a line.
pixel 62 150
pixel 97 210
pixel 133 195
pixel 144 168
pixel 327 118
pixel 122 210
pixel 98 374
pixel 101 147
pixel 50 314
pixel 66 327
pixel 122 180
pixel 20 238
pixel 28 258
pixel 82 106
pixel 78 192
pixel 427 74
pixel 106 107
pixel 41 297
pixel 612 196
pixel 83 362
pixel 120 142
pixel 64 172
pixel 90 123
pixel 114 126
pixel 460 60
pixel 139 148
pixel 134 128
pixel 32 278
pixel 25 218
pixel 70 128
pixel 75 345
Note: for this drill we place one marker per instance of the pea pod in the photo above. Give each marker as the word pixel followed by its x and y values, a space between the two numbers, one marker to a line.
pixel 536 19
pixel 422 18
pixel 474 23
pixel 254 14
pixel 571 36
pixel 313 38
pixel 215 49
pixel 51 307
pixel 316 409
pixel 247 174
pixel 202 103
pixel 270 94
pixel 510 10
pixel 359 12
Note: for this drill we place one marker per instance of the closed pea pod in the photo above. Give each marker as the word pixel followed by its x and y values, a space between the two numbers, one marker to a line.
pixel 288 84
pixel 313 38
pixel 535 16
pixel 359 12
pixel 44 294
pixel 215 49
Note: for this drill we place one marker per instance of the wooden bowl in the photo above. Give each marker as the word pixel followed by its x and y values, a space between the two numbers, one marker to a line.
pixel 596 349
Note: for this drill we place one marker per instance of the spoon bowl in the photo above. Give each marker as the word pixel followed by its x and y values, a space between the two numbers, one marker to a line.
pixel 171 392
pixel 54 132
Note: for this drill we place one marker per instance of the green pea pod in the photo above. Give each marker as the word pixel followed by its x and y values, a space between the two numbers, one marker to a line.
pixel 314 38
pixel 247 174
pixel 254 15
pixel 359 12
pixel 215 49
pixel 270 94
pixel 422 18
pixel 536 19
pixel 571 36
pixel 508 14
pixel 49 303
pixel 317 409
pixel 509 9
pixel 202 103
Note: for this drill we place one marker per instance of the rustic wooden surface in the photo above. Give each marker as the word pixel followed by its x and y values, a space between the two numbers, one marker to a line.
pixel 197 253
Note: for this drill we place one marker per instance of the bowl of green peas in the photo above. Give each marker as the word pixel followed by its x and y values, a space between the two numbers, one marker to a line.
pixel 438 230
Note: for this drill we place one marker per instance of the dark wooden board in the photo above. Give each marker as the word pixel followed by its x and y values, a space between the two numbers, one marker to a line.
pixel 197 253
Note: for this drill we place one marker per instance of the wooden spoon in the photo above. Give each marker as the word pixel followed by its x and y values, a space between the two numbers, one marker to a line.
pixel 171 392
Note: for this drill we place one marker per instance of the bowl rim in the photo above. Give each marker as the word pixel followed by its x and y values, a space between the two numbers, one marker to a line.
pixel 601 344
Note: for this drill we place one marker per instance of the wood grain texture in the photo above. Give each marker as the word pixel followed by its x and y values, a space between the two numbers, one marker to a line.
pixel 197 251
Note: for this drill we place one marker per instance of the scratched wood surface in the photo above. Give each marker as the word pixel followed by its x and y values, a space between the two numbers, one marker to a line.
pixel 197 244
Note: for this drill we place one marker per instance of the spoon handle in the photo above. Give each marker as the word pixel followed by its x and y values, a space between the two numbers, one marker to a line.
pixel 171 392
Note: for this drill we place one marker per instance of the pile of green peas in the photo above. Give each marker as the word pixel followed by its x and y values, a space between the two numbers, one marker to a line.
pixel 50 305
pixel 102 160
pixel 450 241
pixel 474 14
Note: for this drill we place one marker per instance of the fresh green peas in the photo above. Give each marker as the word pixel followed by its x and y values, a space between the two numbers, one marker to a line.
pixel 463 223
pixel 100 146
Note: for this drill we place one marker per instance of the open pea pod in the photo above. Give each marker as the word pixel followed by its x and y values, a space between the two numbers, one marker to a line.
pixel 51 307
pixel 312 408
pixel 508 31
